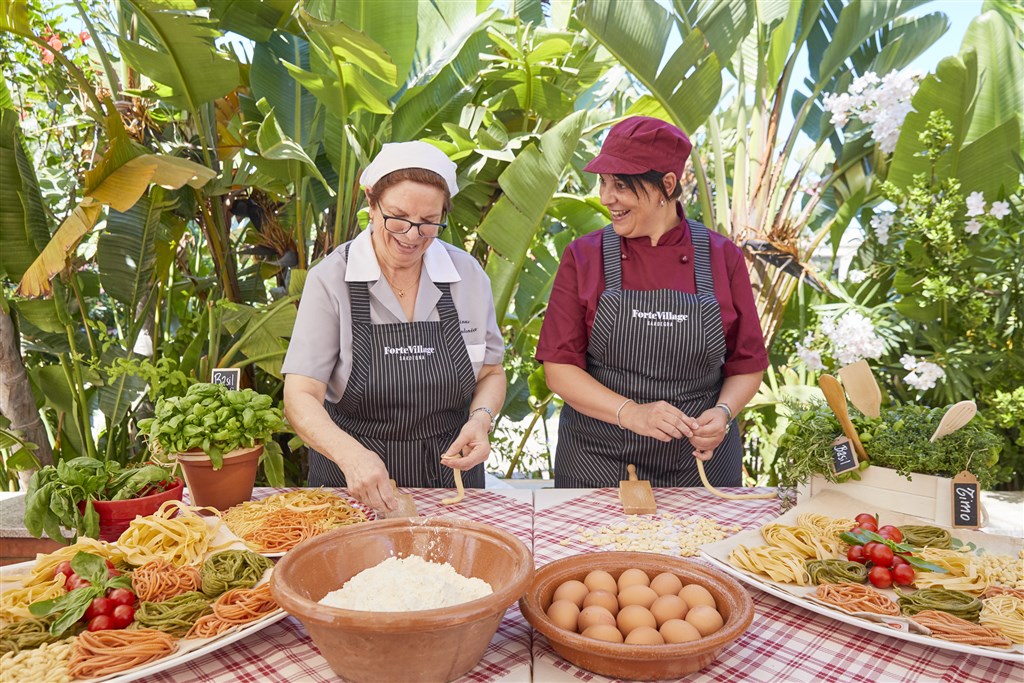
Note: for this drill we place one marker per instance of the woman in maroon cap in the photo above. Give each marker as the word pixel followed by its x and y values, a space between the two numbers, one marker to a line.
pixel 651 335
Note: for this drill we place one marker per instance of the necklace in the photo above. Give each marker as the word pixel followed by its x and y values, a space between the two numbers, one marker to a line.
pixel 400 291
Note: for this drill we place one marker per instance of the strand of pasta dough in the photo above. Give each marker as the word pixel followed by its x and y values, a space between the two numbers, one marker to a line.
pixel 729 496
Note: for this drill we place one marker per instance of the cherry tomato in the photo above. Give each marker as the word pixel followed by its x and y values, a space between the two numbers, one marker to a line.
pixel 897 560
pixel 868 526
pixel 903 575
pixel 123 615
pixel 864 517
pixel 103 622
pixel 65 569
pixel 880 555
pixel 76 581
pixel 880 577
pixel 112 570
pixel 121 596
pixel 856 554
pixel 891 532
pixel 99 606
pixel 868 546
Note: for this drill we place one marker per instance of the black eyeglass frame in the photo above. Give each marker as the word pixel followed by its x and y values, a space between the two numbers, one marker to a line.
pixel 412 224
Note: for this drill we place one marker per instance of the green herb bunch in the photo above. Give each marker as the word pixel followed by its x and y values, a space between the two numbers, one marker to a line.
pixel 54 492
pixel 898 439
pixel 214 419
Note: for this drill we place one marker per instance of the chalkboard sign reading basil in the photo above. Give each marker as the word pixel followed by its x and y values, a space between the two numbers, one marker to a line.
pixel 227 376
pixel 966 501
pixel 843 457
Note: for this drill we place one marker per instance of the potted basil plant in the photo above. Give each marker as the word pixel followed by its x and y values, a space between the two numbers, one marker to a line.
pixel 219 436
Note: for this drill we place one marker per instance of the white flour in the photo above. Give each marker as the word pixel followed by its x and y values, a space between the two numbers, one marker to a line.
pixel 406 584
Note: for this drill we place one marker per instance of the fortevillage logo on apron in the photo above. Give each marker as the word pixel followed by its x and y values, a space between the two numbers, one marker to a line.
pixel 414 352
pixel 661 318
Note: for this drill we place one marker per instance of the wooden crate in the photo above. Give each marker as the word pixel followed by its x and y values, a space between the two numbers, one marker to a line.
pixel 924 496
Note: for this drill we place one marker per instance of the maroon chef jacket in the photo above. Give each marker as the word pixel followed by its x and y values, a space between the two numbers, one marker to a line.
pixel 565 333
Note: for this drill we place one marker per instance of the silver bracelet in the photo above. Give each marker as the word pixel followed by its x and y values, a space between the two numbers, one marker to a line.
pixel 726 408
pixel 618 413
pixel 490 414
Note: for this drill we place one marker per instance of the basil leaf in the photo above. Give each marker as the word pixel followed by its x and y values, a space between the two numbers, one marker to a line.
pixel 77 603
pixel 91 567
pixel 918 563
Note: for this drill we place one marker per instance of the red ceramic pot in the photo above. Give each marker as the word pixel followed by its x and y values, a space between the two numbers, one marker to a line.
pixel 116 515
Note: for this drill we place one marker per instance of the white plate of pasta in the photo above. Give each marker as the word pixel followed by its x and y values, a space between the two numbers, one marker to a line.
pixel 274 525
pixel 764 559
pixel 198 590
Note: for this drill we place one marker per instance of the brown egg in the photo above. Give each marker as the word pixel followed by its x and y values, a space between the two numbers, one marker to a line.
pixel 573 591
pixel 668 607
pixel 592 616
pixel 603 632
pixel 602 599
pixel 600 580
pixel 633 577
pixel 644 635
pixel 666 583
pixel 697 595
pixel 678 631
pixel 637 595
pixel 705 619
pixel 634 616
pixel 565 614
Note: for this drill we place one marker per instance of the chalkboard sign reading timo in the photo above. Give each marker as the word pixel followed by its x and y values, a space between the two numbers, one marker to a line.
pixel 844 458
pixel 966 503
pixel 227 376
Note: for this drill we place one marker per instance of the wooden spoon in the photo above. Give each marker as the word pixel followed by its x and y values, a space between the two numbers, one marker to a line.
pixel 956 417
pixel 861 387
pixel 833 392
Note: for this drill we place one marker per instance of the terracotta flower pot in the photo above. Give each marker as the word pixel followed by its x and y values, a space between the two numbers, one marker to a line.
pixel 230 485
pixel 116 515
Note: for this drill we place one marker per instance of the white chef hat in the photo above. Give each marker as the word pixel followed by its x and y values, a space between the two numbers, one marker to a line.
pixel 394 156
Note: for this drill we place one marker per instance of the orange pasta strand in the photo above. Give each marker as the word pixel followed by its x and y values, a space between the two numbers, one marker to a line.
pixel 159 580
pixel 283 529
pixel 853 597
pixel 952 628
pixel 100 653
pixel 236 606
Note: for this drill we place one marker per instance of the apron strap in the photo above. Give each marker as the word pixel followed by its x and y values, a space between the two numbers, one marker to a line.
pixel 611 251
pixel 701 258
pixel 358 298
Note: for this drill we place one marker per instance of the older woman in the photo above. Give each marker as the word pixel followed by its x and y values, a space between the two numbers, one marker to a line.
pixel 394 366
pixel 651 335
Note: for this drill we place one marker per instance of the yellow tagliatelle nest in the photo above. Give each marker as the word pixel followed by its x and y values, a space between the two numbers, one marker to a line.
pixel 14 602
pixel 181 540
pixel 784 566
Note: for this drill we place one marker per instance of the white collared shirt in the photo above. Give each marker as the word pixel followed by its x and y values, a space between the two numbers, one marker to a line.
pixel 321 343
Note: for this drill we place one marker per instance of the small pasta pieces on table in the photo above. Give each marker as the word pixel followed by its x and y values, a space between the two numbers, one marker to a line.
pixel 665 534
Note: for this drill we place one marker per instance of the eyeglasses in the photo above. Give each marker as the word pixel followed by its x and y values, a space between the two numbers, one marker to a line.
pixel 400 226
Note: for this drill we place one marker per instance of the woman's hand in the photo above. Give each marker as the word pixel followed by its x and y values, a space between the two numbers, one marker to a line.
pixel 660 419
pixel 710 432
pixel 368 480
pixel 472 444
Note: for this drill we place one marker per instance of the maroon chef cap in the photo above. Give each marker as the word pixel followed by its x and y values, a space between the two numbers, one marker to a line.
pixel 640 144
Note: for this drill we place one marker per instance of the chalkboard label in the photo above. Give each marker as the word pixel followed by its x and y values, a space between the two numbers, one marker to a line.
pixel 966 501
pixel 844 458
pixel 227 376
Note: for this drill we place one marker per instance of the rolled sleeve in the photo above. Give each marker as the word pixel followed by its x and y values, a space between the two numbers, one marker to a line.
pixel 563 335
pixel 315 347
pixel 746 351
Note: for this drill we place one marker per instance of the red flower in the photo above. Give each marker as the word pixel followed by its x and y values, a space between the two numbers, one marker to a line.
pixel 83 36
pixel 47 57
pixel 55 42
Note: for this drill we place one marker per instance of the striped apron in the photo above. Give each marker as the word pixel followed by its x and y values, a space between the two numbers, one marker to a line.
pixel 650 346
pixel 407 398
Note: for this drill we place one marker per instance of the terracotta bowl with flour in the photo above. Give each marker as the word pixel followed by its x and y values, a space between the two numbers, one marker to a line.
pixel 424 645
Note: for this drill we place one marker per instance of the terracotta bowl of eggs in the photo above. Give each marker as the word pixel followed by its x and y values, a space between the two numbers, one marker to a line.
pixel 406 643
pixel 636 616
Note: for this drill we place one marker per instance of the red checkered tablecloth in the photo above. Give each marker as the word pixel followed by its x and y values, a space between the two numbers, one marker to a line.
pixel 284 652
pixel 785 642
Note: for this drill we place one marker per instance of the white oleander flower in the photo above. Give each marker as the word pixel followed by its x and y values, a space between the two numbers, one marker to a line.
pixel 973 227
pixel 975 204
pixel 924 376
pixel 999 210
pixel 856 276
